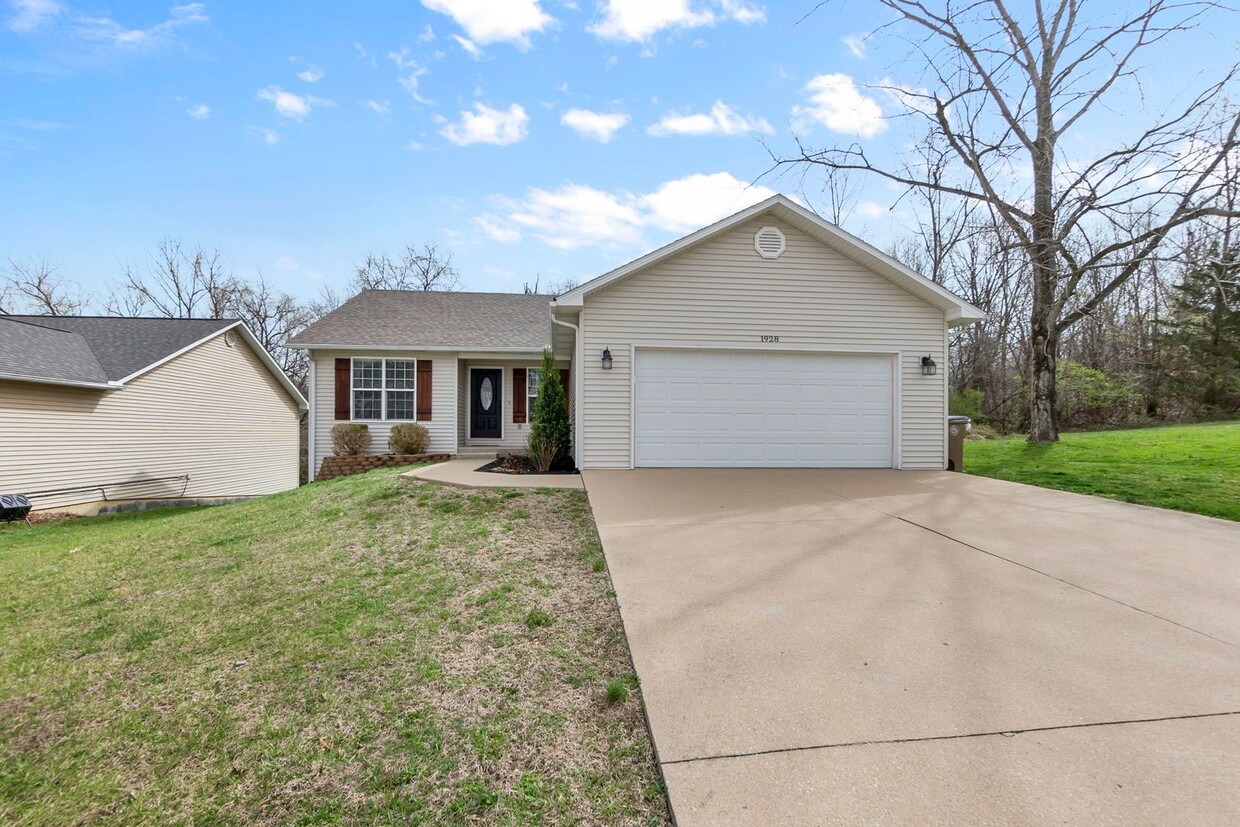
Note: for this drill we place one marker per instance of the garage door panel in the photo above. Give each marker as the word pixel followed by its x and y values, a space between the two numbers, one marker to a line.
pixel 723 408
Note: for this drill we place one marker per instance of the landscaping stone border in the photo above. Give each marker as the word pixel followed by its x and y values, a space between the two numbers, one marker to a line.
pixel 333 467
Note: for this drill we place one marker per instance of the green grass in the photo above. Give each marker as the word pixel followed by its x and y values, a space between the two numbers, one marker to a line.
pixel 364 651
pixel 1188 468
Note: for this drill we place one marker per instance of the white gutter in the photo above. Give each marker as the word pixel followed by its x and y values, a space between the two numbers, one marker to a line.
pixel 522 351
pixel 68 383
pixel 577 389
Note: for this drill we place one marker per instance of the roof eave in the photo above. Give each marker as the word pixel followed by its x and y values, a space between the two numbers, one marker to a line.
pixel 68 383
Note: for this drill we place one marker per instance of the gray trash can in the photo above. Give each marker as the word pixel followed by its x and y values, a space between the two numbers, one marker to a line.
pixel 957 427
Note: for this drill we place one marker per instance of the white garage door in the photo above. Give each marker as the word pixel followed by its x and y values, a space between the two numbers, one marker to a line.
pixel 762 409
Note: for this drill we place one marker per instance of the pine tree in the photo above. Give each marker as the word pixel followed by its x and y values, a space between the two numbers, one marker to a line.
pixel 1204 333
pixel 551 434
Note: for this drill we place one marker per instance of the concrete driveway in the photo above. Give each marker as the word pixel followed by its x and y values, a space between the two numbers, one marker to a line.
pixel 821 646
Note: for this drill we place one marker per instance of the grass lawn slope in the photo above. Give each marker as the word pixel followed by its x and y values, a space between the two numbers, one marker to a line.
pixel 1188 467
pixel 365 651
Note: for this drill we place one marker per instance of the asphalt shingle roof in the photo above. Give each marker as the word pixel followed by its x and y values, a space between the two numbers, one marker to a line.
pixel 45 353
pixel 114 346
pixel 409 318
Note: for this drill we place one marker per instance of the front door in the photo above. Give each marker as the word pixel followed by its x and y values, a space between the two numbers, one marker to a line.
pixel 485 405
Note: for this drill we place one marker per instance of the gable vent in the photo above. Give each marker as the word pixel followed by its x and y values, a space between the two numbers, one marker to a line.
pixel 769 242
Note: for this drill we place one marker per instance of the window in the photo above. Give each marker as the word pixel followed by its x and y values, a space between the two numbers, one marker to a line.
pixel 533 377
pixel 383 388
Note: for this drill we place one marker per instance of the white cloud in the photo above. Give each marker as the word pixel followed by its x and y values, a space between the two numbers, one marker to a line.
pixel 413 73
pixel 636 21
pixel 378 107
pixel 29 15
pixel 917 98
pixel 468 45
pixel 872 209
pixel 290 105
pixel 697 200
pixel 107 30
pixel 486 125
pixel 311 74
pixel 721 120
pixel 855 44
pixel 486 21
pixel 267 136
pixel 496 231
pixel 427 35
pixel 287 263
pixel 597 126
pixel 837 103
pixel 200 112
pixel 574 216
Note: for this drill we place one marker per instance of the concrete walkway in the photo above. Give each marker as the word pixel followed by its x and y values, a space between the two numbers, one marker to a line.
pixel 821 647
pixel 463 473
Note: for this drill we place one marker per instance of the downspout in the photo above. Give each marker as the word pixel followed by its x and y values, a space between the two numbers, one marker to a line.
pixel 577 389
pixel 310 419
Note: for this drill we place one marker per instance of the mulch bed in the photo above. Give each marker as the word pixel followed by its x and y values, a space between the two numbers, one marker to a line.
pixel 517 464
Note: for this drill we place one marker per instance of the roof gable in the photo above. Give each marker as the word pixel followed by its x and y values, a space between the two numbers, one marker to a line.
pixel 957 310
pixel 431 319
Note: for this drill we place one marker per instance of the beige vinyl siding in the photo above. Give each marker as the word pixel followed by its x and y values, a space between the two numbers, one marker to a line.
pixel 442 426
pixel 515 433
pixel 215 412
pixel 722 293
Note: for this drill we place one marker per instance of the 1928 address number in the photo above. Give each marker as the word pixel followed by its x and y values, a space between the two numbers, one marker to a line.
pixel 769 338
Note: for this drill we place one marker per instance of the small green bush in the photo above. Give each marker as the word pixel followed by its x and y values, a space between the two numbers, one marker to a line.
pixel 408 438
pixel 967 402
pixel 550 442
pixel 350 439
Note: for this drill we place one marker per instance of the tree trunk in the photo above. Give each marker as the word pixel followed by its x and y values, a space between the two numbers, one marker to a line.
pixel 1043 426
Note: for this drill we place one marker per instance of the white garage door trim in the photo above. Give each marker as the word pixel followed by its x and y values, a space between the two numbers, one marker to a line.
pixel 896 358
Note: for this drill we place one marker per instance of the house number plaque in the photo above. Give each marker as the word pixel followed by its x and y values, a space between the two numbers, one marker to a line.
pixel 769 338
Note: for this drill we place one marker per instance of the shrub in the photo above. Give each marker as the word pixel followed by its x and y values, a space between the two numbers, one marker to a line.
pixel 551 435
pixel 350 439
pixel 408 438
pixel 967 402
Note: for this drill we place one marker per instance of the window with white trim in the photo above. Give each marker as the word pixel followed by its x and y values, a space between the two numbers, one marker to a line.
pixel 533 377
pixel 384 389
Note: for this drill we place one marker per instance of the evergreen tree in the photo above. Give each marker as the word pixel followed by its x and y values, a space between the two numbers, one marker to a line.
pixel 551 434
pixel 1204 333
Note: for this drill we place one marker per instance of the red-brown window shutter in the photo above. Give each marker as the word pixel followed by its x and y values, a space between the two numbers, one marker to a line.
pixel 519 396
pixel 424 390
pixel 344 377
pixel 564 381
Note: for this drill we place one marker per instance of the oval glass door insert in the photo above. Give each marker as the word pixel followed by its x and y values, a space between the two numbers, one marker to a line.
pixel 486 394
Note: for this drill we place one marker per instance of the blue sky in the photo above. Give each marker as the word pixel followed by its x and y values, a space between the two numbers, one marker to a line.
pixel 533 138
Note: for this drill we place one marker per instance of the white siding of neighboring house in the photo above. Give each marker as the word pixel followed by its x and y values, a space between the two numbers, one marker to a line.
pixel 442 425
pixel 722 293
pixel 215 413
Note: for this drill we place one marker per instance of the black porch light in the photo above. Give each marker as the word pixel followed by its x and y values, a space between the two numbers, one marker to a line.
pixel 606 358
pixel 928 366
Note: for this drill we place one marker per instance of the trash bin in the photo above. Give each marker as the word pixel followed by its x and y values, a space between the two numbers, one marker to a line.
pixel 957 427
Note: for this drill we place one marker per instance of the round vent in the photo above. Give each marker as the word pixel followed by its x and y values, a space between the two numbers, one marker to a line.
pixel 769 242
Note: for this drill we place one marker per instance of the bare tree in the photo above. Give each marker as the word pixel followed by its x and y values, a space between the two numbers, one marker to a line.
pixel 1007 87
pixel 424 268
pixel 175 284
pixel 273 317
pixel 35 286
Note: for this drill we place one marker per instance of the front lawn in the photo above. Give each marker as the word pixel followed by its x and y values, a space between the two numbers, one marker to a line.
pixel 1187 467
pixel 368 651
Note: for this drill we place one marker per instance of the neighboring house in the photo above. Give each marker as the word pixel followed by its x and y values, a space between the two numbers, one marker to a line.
pixel 104 410
pixel 770 338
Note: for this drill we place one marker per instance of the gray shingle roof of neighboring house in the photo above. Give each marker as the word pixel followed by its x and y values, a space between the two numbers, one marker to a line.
pixel 30 350
pixel 108 348
pixel 409 318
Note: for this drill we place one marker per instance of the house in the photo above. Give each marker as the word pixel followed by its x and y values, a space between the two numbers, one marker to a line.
pixel 100 411
pixel 770 338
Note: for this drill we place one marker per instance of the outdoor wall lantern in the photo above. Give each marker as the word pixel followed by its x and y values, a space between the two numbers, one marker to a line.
pixel 928 366
pixel 606 358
